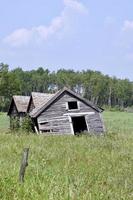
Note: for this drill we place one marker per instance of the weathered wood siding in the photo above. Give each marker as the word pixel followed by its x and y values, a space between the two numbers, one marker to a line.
pixel 13 111
pixel 15 114
pixel 56 125
pixel 95 123
pixel 31 106
pixel 53 118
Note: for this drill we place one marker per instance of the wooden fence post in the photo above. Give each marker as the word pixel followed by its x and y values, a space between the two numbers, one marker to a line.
pixel 24 164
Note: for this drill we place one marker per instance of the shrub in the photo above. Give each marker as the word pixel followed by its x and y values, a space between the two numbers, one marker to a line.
pixel 14 123
pixel 27 124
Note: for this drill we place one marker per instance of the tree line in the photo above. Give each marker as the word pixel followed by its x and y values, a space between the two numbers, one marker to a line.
pixel 93 85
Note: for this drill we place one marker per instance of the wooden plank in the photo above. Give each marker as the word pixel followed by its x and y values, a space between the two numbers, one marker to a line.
pixel 24 164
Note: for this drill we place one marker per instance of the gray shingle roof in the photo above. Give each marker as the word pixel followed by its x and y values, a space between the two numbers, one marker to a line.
pixel 43 100
pixel 40 99
pixel 35 112
pixel 21 103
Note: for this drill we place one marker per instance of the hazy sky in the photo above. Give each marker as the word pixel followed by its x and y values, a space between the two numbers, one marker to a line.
pixel 70 34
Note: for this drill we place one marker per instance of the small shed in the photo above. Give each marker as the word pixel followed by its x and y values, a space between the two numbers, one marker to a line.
pixel 66 113
pixel 18 107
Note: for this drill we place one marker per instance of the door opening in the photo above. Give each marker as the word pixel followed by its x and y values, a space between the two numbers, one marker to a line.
pixel 79 124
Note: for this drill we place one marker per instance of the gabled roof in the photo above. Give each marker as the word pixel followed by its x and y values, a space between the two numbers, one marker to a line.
pixel 37 111
pixel 21 103
pixel 40 98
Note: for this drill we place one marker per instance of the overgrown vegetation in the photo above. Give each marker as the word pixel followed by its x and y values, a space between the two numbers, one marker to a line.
pixel 67 167
pixel 23 124
pixel 27 124
pixel 93 85
pixel 14 123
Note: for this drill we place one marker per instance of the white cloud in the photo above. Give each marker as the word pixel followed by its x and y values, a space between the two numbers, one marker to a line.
pixel 18 37
pixel 128 26
pixel 76 5
pixel 24 36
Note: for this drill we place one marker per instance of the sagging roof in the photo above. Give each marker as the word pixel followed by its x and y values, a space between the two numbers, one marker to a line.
pixel 21 103
pixel 38 110
pixel 40 99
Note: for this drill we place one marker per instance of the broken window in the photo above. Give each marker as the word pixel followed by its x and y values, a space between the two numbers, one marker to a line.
pixel 72 105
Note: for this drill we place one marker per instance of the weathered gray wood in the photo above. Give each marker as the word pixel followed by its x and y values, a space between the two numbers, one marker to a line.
pixel 24 164
pixel 59 108
pixel 95 123
pixel 54 115
pixel 31 106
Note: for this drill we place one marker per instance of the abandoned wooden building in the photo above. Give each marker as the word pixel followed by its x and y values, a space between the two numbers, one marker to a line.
pixel 67 113
pixel 64 112
pixel 18 107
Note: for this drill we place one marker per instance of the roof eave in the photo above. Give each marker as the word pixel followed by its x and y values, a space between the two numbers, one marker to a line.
pixel 12 101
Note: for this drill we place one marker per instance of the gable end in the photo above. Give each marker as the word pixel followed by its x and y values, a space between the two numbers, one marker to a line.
pixel 55 98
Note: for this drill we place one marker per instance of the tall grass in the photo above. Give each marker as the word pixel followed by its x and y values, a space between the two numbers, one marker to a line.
pixel 121 122
pixel 4 122
pixel 71 168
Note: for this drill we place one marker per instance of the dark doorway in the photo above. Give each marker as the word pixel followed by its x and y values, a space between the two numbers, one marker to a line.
pixel 79 124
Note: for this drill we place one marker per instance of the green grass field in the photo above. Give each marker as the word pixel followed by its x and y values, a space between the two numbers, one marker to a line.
pixel 4 122
pixel 68 167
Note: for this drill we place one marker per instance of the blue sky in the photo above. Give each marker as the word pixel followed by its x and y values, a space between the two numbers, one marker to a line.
pixel 70 34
